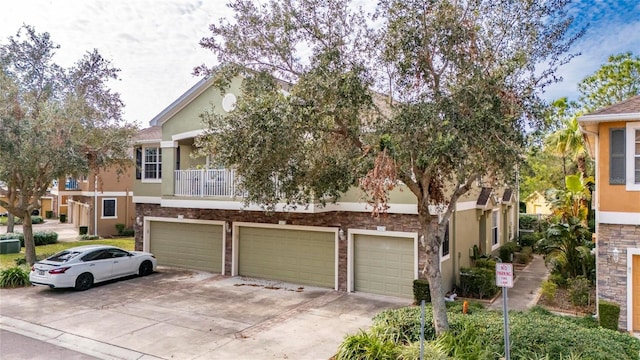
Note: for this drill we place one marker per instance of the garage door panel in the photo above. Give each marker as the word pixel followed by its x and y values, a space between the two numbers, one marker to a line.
pixel 297 256
pixel 193 246
pixel 384 265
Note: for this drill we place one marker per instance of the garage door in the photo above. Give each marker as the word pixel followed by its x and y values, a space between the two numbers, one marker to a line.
pixel 635 287
pixel 383 265
pixel 297 256
pixel 191 246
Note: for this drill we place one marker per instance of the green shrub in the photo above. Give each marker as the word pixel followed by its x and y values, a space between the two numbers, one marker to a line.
pixel 549 290
pixel 421 290
pixel 36 220
pixel 533 333
pixel 478 282
pixel 579 289
pixel 528 222
pixel 39 237
pixel 485 263
pixel 128 232
pixel 14 277
pixel 366 345
pixel 559 280
pixel 507 250
pixel 527 239
pixel 88 237
pixel 608 314
pixel 120 228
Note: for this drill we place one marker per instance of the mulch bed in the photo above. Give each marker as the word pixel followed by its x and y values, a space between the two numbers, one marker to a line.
pixel 562 303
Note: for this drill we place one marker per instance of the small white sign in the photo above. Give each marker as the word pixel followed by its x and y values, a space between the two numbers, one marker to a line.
pixel 504 275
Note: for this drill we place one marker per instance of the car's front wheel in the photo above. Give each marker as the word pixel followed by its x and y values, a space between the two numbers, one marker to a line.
pixel 84 281
pixel 146 268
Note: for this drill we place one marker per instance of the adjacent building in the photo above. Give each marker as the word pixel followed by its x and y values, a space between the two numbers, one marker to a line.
pixel 613 137
pixel 190 214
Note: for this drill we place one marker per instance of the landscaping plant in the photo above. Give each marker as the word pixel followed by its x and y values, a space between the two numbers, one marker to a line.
pixel 14 277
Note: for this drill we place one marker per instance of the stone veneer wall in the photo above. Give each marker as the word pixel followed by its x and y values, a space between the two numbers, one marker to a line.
pixel 612 276
pixel 345 220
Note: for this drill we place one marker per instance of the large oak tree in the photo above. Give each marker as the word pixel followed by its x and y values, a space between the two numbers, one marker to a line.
pixel 461 80
pixel 54 122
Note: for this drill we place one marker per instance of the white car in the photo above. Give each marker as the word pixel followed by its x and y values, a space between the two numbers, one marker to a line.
pixel 81 267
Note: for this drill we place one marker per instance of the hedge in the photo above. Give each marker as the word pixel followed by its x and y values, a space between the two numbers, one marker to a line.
pixel 608 314
pixel 421 291
pixel 39 237
pixel 534 334
pixel 478 282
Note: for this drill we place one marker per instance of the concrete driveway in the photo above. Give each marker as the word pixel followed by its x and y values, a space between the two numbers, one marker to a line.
pixel 178 314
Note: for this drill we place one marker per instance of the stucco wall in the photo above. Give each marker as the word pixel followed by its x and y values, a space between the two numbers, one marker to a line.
pixel 612 197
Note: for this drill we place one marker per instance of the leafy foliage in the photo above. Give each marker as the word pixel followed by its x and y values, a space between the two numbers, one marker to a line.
pixel 536 334
pixel 54 121
pixel 608 314
pixel 615 81
pixel 462 80
pixel 14 277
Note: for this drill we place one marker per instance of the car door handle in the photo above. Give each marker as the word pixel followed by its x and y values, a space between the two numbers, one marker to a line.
pixel 115 262
pixel 92 265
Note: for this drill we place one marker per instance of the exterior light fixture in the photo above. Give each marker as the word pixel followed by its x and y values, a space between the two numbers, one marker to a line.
pixel 341 234
pixel 615 255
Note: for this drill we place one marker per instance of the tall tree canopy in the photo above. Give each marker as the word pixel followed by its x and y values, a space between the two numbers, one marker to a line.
pixel 462 79
pixel 613 82
pixel 54 122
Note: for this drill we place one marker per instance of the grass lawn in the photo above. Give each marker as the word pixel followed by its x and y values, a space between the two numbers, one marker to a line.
pixel 8 260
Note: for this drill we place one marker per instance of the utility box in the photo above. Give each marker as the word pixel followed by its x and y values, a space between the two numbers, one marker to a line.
pixel 10 246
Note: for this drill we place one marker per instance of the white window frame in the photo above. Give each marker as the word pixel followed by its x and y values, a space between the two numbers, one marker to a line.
pixel 143 169
pixel 631 129
pixel 497 227
pixel 115 208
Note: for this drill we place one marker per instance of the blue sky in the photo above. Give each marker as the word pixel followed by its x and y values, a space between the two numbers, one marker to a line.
pixel 155 42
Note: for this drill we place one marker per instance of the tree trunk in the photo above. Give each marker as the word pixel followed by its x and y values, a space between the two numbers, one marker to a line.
pixel 10 222
pixel 432 270
pixel 29 244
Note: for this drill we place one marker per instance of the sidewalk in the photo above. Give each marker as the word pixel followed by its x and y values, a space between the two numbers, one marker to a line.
pixel 66 232
pixel 526 287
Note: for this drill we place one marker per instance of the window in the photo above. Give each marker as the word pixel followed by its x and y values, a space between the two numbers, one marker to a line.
pixel 494 228
pixel 152 163
pixel 636 158
pixel 445 242
pixel 108 208
pixel 616 157
pixel 631 143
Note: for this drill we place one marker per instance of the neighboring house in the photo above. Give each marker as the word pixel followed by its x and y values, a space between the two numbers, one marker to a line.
pixel 46 204
pixel 536 203
pixel 613 137
pixel 189 215
pixel 77 199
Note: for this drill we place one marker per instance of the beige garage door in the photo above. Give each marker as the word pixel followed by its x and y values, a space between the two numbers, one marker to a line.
pixel 297 256
pixel 383 265
pixel 191 246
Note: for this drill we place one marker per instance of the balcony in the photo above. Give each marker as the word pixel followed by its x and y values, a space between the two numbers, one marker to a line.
pixel 206 182
pixel 69 184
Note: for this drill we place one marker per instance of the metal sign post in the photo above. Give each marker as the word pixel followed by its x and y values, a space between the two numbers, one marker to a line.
pixel 504 279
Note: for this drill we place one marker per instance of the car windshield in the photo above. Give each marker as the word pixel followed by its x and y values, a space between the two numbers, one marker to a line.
pixel 64 256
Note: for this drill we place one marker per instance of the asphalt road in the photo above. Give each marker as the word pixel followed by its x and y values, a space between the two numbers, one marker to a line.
pixel 19 347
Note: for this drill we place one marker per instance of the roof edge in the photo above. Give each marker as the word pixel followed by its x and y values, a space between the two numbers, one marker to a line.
pixel 182 101
pixel 609 117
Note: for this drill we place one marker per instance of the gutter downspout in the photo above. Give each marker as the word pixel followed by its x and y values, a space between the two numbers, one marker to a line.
pixel 95 205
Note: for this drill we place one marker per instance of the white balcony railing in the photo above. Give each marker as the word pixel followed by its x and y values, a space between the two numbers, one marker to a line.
pixel 206 182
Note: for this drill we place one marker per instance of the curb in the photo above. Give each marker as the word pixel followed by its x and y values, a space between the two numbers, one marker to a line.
pixel 77 343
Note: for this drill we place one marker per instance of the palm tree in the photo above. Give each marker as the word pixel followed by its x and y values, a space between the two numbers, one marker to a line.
pixel 568 143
